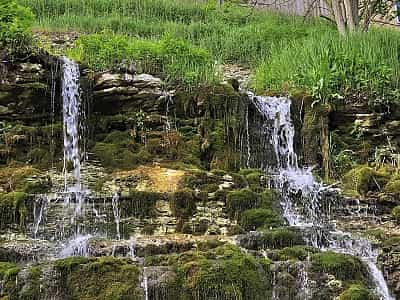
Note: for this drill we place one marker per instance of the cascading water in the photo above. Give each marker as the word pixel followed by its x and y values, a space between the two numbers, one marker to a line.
pixel 304 200
pixel 70 96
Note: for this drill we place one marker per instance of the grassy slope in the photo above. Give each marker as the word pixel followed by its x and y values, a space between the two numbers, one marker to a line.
pixel 282 50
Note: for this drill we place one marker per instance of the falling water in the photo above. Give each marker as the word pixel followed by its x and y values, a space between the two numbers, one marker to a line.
pixel 39 206
pixel 70 95
pixel 312 208
pixel 116 212
pixel 144 284
pixel 77 246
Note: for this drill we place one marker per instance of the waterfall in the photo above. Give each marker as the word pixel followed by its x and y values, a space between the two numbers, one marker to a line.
pixel 116 212
pixel 304 201
pixel 70 96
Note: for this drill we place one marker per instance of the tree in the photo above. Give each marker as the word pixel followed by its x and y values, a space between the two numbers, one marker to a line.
pixel 352 15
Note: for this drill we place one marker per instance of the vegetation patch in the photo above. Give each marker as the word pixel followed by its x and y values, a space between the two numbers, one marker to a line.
pixel 357 292
pixel 99 278
pixel 253 219
pixel 342 266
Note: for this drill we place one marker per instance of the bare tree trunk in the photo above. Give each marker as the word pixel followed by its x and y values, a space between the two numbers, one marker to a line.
pixel 220 2
pixel 338 14
pixel 356 17
pixel 349 7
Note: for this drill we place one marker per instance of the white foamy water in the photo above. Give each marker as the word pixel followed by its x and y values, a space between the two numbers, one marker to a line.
pixel 71 96
pixel 116 212
pixel 77 246
pixel 308 209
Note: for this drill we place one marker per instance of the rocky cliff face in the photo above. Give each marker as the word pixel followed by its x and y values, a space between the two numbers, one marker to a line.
pixel 171 214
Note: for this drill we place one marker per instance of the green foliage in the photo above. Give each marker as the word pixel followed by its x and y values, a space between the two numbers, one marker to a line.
pixel 296 252
pixel 240 200
pixel 342 266
pixel 177 60
pixel 396 214
pixel 363 179
pixel 182 203
pixel 329 67
pixel 99 278
pixel 357 292
pixel 281 238
pixel 253 219
pixel 222 272
pixel 8 270
pixel 15 21
pixel 13 209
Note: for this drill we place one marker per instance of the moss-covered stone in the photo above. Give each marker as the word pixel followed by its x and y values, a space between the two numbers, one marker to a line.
pixel 99 279
pixel 183 203
pixel 25 179
pixel 13 209
pixel 222 272
pixel 240 200
pixel 295 252
pixel 139 203
pixel 253 219
pixel 364 179
pixel 396 214
pixel 342 266
pixel 357 292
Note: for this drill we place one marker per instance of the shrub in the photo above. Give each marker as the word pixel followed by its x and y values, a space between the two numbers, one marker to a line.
pixel 182 203
pixel 357 292
pixel 239 201
pixel 15 21
pixel 177 60
pixel 364 179
pixel 396 214
pixel 253 219
pixel 342 266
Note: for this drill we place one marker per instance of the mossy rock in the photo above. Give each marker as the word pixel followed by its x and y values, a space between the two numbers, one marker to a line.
pixel 396 214
pixel 8 270
pixel 281 237
pixel 183 203
pixel 393 186
pixel 99 279
pixel 24 179
pixel 296 253
pixel 13 209
pixel 343 266
pixel 357 292
pixel 240 200
pixel 224 272
pixel 364 179
pixel 32 287
pixel 139 203
pixel 253 219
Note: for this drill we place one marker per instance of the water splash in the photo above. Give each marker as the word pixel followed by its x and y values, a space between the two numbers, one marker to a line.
pixel 77 246
pixel 144 284
pixel 305 202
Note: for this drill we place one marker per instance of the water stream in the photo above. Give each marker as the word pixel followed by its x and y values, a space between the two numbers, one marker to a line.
pixel 72 157
pixel 305 202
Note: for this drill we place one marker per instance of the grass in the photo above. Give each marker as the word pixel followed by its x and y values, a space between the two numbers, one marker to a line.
pixel 287 53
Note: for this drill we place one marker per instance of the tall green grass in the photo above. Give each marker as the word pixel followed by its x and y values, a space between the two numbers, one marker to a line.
pixel 231 33
pixel 328 66
pixel 286 52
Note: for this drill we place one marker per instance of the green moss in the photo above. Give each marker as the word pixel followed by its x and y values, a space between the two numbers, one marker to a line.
pixel 240 200
pixel 121 138
pixel 8 270
pixel 357 292
pixel 183 203
pixel 225 273
pixel 396 214
pixel 253 219
pixel 280 238
pixel 32 291
pixel 13 209
pixel 113 156
pixel 24 179
pixel 296 252
pixel 139 203
pixel 393 186
pixel 99 279
pixel 342 266
pixel 364 179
